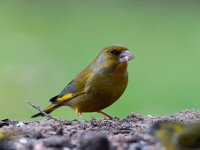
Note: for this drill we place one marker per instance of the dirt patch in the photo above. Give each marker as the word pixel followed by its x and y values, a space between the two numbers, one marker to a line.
pixel 129 133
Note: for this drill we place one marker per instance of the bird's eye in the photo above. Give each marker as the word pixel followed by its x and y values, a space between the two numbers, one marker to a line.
pixel 114 52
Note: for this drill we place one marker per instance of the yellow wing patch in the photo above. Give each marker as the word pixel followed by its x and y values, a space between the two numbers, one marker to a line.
pixel 69 96
pixel 65 97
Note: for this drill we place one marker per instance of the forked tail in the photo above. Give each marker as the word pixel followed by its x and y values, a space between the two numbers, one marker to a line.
pixel 47 110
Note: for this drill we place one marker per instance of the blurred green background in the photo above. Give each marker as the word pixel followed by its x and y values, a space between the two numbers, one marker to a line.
pixel 44 44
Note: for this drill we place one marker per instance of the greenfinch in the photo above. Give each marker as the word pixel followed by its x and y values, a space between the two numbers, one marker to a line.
pixel 178 136
pixel 98 86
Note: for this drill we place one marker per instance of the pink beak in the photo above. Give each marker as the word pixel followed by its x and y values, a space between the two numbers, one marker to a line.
pixel 125 56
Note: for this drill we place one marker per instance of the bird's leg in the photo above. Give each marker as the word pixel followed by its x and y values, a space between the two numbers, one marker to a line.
pixel 82 119
pixel 84 122
pixel 103 113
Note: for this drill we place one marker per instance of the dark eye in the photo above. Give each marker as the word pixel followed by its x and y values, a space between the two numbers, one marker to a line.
pixel 114 52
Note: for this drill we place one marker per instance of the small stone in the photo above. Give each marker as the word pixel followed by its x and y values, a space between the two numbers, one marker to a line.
pixel 58 142
pixel 96 141
pixel 20 124
pixel 23 141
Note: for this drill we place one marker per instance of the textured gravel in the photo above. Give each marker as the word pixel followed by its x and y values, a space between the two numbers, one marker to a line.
pixel 130 133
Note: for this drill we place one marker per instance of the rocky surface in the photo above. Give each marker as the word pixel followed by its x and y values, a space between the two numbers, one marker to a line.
pixel 130 133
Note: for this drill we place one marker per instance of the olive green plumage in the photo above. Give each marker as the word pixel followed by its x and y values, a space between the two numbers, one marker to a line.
pixel 178 136
pixel 99 85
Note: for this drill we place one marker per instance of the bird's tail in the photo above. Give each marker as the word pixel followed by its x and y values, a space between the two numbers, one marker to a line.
pixel 47 110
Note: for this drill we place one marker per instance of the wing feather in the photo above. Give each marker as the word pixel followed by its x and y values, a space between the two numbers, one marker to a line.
pixel 75 88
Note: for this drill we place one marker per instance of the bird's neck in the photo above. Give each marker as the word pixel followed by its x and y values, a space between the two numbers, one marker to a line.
pixel 116 67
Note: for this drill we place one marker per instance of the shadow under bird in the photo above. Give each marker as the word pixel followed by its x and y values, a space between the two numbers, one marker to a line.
pixel 98 86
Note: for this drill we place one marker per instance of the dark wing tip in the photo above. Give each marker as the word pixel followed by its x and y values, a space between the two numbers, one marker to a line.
pixel 53 99
pixel 37 115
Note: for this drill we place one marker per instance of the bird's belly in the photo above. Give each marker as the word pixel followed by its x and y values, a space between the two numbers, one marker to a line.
pixel 86 103
pixel 101 94
pixel 90 103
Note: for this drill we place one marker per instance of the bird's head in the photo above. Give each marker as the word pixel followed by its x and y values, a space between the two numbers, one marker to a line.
pixel 117 53
pixel 114 54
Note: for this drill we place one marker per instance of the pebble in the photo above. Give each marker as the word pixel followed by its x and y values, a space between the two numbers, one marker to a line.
pixel 94 141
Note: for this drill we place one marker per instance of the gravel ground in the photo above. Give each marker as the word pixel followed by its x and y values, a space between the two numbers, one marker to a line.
pixel 130 133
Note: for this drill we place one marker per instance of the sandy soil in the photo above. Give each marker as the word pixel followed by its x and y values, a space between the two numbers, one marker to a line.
pixel 130 133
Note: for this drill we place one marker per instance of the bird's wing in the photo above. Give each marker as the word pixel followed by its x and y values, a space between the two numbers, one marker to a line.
pixel 75 88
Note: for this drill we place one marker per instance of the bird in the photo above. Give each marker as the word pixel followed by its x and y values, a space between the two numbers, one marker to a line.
pixel 97 86
pixel 178 136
